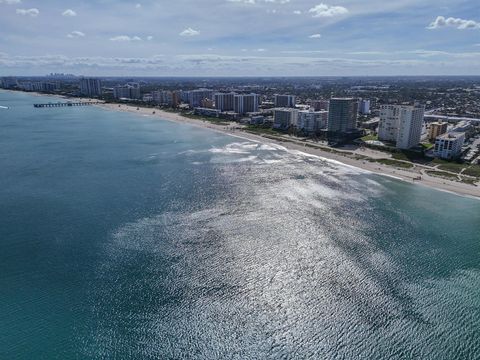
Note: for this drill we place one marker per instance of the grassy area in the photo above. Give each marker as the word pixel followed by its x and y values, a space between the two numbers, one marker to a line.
pixel 369 138
pixel 170 110
pixel 473 170
pixel 400 156
pixel 329 149
pixel 391 162
pixel 361 157
pixel 276 138
pixel 469 181
pixel 442 174
pixel 408 155
pixel 262 130
pixel 427 146
pixel 209 119
pixel 447 165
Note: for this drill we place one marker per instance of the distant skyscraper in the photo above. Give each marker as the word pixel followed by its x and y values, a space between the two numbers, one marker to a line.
pixel 342 115
pixel 162 97
pixel 287 101
pixel 224 101
pixel 42 86
pixel 364 107
pixel 90 87
pixel 176 98
pixel 246 103
pixel 166 98
pixel 9 82
pixel 401 124
pixel 128 91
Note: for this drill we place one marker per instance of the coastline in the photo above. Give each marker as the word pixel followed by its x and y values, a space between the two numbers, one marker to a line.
pixel 408 175
pixel 416 175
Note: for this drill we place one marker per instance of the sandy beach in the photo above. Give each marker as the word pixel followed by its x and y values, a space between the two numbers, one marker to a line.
pixel 416 175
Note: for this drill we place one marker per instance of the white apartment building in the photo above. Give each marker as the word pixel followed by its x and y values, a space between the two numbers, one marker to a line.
pixel 195 97
pixel 401 124
pixel 162 97
pixel 127 91
pixel 312 121
pixel 284 118
pixel 449 146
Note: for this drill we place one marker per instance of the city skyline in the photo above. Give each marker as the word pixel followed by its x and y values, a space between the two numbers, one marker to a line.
pixel 240 37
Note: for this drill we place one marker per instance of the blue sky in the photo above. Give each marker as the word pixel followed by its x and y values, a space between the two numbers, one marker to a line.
pixel 240 37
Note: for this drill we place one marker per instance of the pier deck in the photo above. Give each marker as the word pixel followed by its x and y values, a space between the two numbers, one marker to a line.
pixel 65 104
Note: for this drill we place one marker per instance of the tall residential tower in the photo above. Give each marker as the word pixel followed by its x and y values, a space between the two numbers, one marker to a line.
pixel 342 115
pixel 401 124
pixel 224 101
pixel 245 103
pixel 91 87
pixel 285 101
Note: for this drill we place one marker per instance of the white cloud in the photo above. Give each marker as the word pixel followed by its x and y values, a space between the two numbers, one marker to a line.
pixel 458 23
pixel 125 38
pixel 220 64
pixel 297 12
pixel 324 10
pixel 76 34
pixel 30 12
pixel 315 36
pixel 150 37
pixel 304 52
pixel 10 2
pixel 189 32
pixel 261 50
pixel 369 53
pixel 253 2
pixel 69 12
pixel 242 1
pixel 444 54
pixel 74 62
pixel 138 6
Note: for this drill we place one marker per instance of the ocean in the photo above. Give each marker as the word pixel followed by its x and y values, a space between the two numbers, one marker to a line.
pixel 127 237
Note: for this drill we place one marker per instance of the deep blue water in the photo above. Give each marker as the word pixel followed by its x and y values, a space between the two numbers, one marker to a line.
pixel 128 237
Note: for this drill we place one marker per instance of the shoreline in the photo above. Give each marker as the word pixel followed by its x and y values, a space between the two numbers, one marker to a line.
pixel 410 175
pixel 407 175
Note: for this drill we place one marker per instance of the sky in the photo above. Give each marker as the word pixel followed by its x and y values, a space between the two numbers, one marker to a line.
pixel 240 37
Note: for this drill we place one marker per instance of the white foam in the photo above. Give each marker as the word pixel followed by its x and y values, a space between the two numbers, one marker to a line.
pixel 267 147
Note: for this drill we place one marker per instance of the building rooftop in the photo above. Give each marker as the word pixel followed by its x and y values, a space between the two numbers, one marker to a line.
pixel 450 136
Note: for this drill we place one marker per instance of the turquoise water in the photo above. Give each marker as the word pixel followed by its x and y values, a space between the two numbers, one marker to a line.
pixel 126 237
